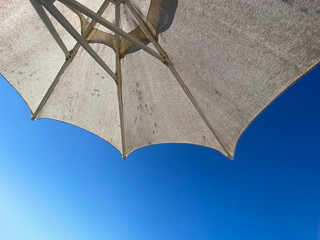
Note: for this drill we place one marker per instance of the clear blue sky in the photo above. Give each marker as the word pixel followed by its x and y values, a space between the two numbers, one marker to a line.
pixel 60 182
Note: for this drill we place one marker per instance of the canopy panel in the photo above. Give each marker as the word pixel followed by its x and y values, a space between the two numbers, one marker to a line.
pixel 30 58
pixel 236 57
pixel 156 109
pixel 87 97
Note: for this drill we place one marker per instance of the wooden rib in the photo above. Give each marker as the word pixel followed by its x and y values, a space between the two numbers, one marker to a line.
pixel 119 85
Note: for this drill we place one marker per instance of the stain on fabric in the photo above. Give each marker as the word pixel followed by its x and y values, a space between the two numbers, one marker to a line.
pixel 288 1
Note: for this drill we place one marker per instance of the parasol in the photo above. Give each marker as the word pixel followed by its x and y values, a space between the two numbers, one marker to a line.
pixel 144 72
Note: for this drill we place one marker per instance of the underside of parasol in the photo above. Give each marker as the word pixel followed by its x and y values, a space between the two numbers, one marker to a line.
pixel 140 73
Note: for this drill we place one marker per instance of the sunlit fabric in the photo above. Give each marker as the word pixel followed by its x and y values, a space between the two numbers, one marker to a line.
pixel 235 58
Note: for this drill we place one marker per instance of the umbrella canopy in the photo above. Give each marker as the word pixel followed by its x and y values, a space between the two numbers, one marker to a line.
pixel 144 72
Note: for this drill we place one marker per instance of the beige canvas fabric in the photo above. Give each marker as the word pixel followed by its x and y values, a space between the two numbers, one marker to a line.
pixel 234 57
